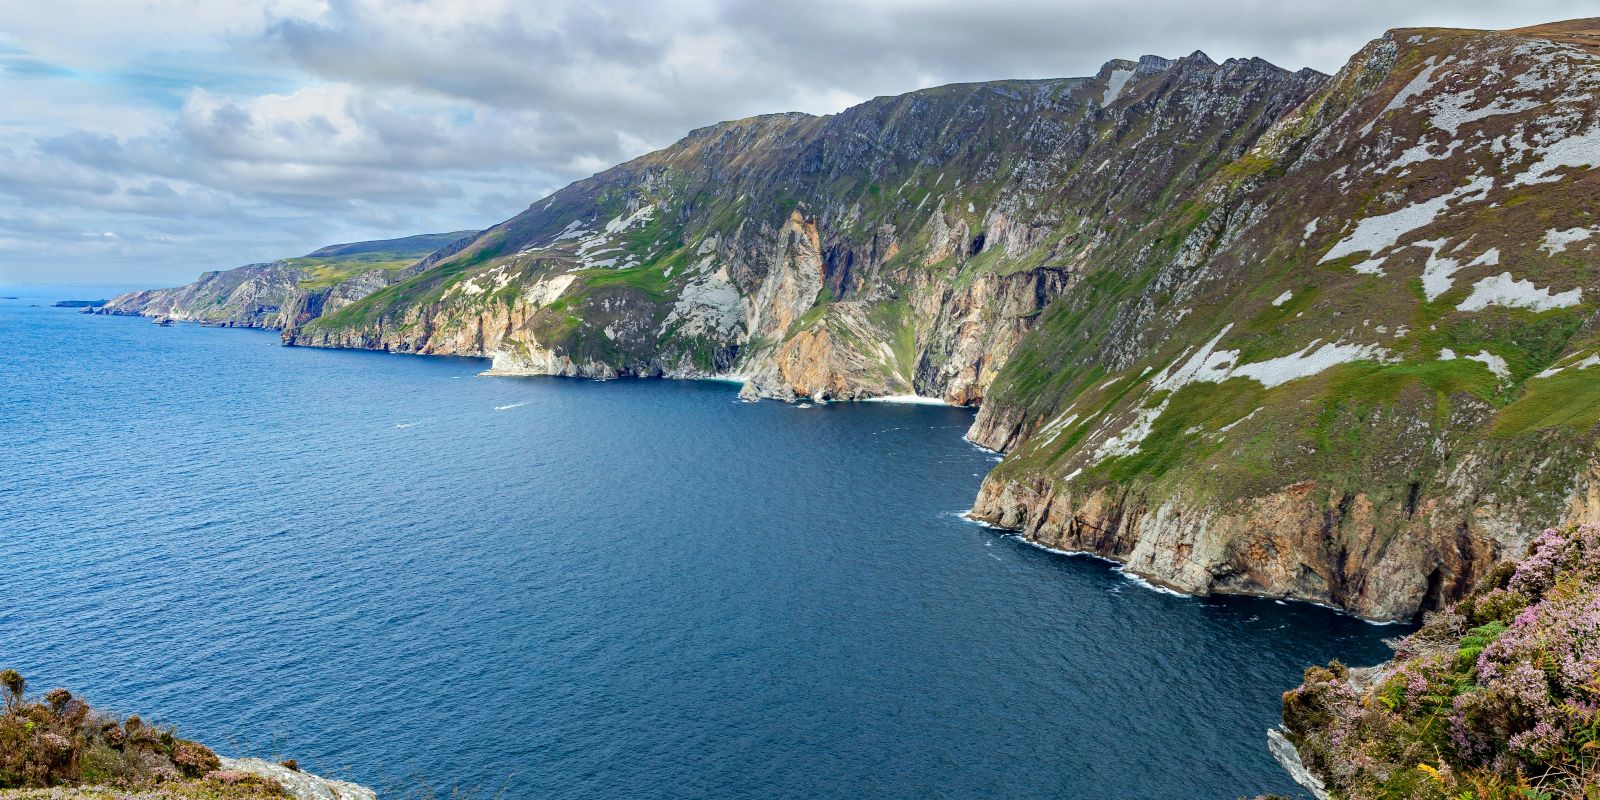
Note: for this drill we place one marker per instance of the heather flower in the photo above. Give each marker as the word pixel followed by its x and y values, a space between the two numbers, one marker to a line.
pixel 1523 688
pixel 1499 603
pixel 1536 573
pixel 1416 686
pixel 229 776
pixel 195 758
pixel 1526 685
pixel 1471 743
pixel 54 743
pixel 1535 743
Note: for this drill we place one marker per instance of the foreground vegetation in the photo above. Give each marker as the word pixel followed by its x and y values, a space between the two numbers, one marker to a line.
pixel 1495 697
pixel 57 741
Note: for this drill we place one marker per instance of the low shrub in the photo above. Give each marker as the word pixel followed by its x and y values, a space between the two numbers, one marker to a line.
pixel 58 740
pixel 1495 697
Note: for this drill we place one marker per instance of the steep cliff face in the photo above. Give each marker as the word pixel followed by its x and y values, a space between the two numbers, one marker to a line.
pixel 276 294
pixel 904 246
pixel 1359 365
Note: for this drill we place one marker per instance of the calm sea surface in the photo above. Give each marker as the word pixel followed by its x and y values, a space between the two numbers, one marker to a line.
pixel 406 575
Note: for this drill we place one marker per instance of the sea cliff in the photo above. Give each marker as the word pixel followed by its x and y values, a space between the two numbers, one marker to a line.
pixel 1248 330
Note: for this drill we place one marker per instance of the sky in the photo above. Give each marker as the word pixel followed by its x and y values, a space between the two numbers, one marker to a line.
pixel 145 141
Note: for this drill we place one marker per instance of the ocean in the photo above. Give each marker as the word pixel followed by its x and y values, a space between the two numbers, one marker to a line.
pixel 406 575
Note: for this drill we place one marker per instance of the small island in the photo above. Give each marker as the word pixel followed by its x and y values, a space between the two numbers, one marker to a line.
pixel 78 304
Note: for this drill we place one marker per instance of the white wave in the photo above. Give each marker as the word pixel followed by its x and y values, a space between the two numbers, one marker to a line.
pixel 966 516
pixel 968 440
pixel 909 399
pixel 404 424
pixel 1141 582
pixel 513 405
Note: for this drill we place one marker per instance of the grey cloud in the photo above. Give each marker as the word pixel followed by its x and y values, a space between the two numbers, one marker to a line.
pixel 402 124
pixel 614 64
pixel 585 84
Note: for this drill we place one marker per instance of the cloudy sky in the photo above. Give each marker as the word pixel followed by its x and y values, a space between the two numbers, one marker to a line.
pixel 147 140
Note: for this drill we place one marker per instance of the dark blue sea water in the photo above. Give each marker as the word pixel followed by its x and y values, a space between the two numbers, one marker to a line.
pixel 410 576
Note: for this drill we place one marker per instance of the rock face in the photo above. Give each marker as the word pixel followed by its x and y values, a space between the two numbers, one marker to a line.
pixel 1383 557
pixel 1244 329
pixel 300 785
pixel 1284 752
pixel 251 296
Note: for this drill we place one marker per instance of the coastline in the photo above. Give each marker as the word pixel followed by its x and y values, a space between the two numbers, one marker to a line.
pixel 734 379
pixel 1155 584
pixel 201 342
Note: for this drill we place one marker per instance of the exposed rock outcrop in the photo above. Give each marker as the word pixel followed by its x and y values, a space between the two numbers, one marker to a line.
pixel 1283 752
pixel 300 785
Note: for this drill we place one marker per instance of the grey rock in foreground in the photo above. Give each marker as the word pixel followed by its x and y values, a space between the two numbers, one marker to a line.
pixel 1283 750
pixel 301 785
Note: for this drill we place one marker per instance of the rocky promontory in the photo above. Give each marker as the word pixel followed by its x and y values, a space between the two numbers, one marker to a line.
pixel 1497 696
pixel 276 294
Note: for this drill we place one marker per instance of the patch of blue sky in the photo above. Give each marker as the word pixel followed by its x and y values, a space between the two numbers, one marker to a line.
pixel 163 80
